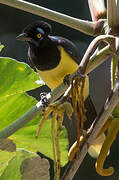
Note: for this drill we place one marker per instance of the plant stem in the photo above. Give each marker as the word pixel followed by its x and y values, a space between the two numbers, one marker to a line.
pixel 19 123
pixel 78 24
pixel 98 58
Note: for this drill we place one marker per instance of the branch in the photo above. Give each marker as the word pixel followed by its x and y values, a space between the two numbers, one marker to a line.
pixel 112 16
pixel 105 52
pixel 86 27
pixel 85 60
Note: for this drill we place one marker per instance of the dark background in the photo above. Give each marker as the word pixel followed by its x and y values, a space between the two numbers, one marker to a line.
pixel 12 21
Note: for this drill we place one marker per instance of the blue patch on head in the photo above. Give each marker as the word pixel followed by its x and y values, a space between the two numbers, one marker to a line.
pixel 40 30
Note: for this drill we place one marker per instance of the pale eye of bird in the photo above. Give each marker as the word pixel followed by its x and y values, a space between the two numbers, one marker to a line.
pixel 39 35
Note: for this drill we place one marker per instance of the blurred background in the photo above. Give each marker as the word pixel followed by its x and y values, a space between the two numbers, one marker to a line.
pixel 12 21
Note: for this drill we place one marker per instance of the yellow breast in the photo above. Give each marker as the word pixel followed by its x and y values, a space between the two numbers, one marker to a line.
pixel 54 77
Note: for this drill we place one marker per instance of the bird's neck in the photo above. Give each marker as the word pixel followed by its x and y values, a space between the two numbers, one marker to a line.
pixel 46 56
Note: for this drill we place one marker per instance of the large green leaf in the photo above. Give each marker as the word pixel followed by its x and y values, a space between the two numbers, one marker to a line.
pixel 13 107
pixel 16 77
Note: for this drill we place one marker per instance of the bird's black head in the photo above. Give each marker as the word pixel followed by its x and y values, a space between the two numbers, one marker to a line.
pixel 35 32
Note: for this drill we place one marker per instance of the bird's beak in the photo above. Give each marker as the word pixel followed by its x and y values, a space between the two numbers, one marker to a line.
pixel 23 37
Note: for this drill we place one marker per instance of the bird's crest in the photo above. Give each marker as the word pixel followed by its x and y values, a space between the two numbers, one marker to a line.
pixel 41 26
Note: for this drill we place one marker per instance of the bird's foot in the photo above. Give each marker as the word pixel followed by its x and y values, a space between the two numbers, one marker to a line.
pixel 44 100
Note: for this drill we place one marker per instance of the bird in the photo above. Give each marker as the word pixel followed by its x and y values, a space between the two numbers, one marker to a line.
pixel 53 57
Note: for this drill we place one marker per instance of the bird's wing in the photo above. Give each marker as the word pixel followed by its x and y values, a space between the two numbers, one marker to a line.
pixel 68 46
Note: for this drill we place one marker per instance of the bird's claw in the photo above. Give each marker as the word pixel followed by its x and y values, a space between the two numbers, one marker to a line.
pixel 44 99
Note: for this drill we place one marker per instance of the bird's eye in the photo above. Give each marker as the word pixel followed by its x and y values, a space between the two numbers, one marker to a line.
pixel 39 35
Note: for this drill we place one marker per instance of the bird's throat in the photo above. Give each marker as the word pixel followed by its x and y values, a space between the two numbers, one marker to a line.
pixel 44 57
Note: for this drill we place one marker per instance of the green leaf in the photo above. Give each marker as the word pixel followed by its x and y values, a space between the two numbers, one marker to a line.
pixel 1 47
pixel 4 159
pixel 12 171
pixel 114 63
pixel 25 138
pixel 16 77
pixel 13 107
